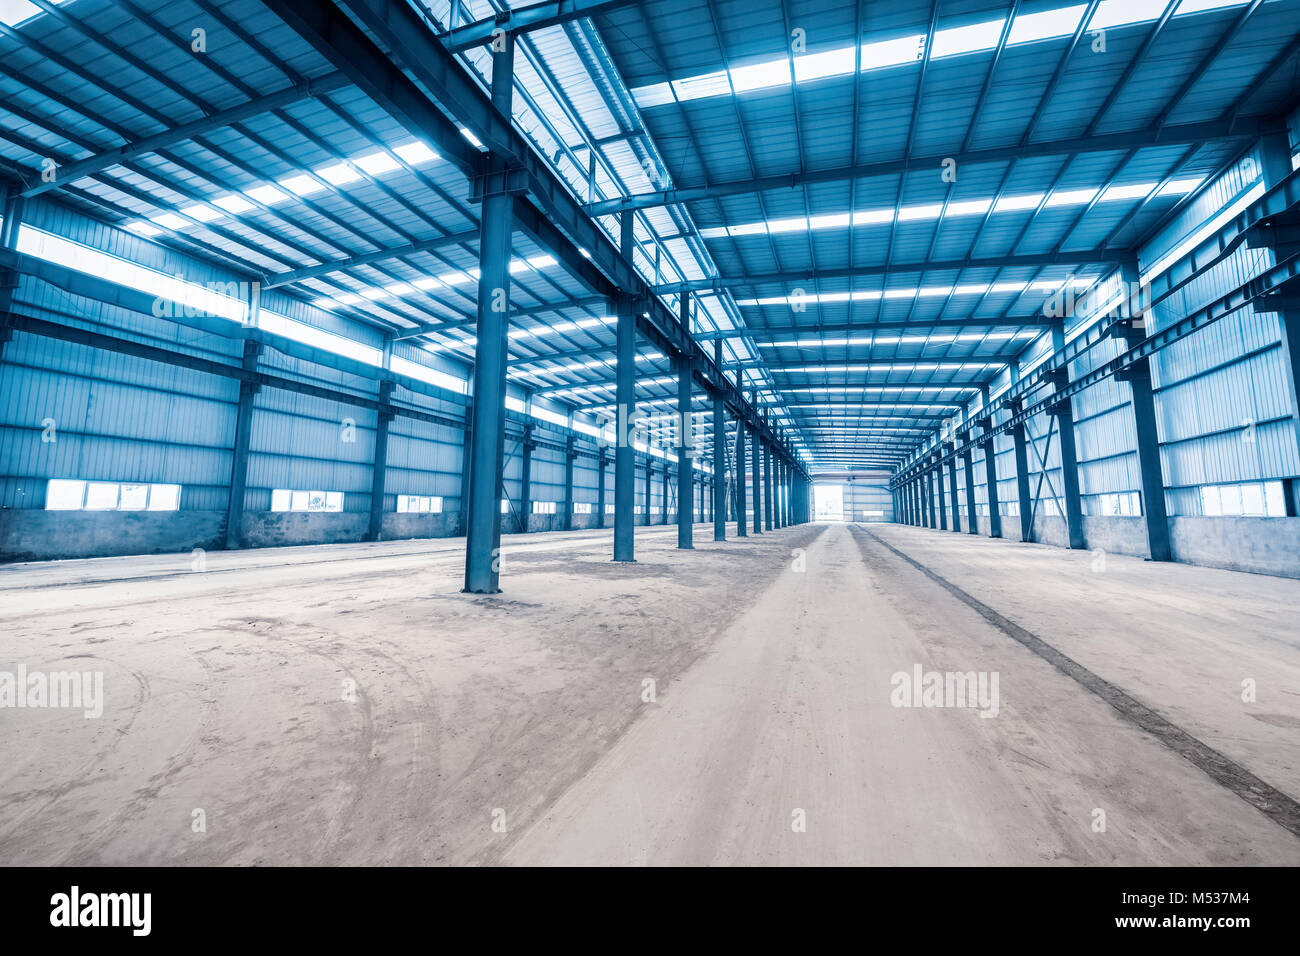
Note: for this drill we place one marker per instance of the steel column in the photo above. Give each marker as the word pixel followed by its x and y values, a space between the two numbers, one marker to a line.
pixel 942 495
pixel 570 453
pixel 991 478
pixel 487 449
pixel 1138 375
pixel 1275 157
pixel 719 456
pixel 1025 505
pixel 756 462
pixel 526 477
pixel 379 462
pixel 742 525
pixel 767 488
pixel 239 454
pixel 952 488
pixel 1064 415
pixel 625 399
pixel 968 466
pixel 600 487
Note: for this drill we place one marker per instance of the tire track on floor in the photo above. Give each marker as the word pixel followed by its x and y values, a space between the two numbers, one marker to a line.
pixel 1280 807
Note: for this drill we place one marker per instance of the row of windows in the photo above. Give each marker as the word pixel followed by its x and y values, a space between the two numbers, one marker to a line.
pixel 1253 498
pixel 71 495
pixel 419 504
pixel 1123 503
pixel 284 500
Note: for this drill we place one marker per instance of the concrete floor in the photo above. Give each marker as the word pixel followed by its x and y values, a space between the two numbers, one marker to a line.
pixel 516 729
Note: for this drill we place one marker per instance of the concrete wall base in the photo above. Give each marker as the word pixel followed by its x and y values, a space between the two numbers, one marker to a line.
pixel 35 535
pixel 1257 545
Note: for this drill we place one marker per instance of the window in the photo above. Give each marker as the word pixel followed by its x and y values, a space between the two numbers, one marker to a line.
pixel 63 494
pixel 582 507
pixel 543 507
pixel 1111 505
pixel 419 504
pixel 609 509
pixel 505 506
pixel 285 500
pixel 1261 499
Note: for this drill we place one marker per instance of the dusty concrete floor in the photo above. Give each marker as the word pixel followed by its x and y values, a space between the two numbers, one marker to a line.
pixel 225 692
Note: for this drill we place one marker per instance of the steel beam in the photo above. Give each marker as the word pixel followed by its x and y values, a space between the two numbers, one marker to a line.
pixel 305 89
pixel 278 279
pixel 1242 128
pixel 536 16
pixel 721 283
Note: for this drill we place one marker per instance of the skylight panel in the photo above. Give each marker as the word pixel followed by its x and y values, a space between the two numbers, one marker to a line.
pixel 968 39
pixel 1018 203
pixel 1135 191
pixel 867 217
pixel 883 53
pixel 707 84
pixel 415 153
pixel 1070 197
pixel 338 174
pixel 969 207
pixel 831 221
pixel 758 76
pixel 656 94
pixel 426 282
pixel 1121 13
pixel 376 164
pixel 233 204
pixel 201 212
pixel 169 220
pixel 920 211
pixel 302 185
pixel 1200 6
pixel 816 66
pixel 1047 25
pixel 145 229
pixel 1181 186
pixel 267 195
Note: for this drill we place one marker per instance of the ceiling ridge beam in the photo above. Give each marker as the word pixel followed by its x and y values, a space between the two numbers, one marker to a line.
pixel 1184 134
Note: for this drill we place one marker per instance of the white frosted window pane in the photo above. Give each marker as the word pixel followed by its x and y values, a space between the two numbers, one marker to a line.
pixel 101 496
pixel 164 497
pixel 62 494
pixel 134 498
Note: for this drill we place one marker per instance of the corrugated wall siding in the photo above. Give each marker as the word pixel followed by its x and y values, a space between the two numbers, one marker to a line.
pixel 74 411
